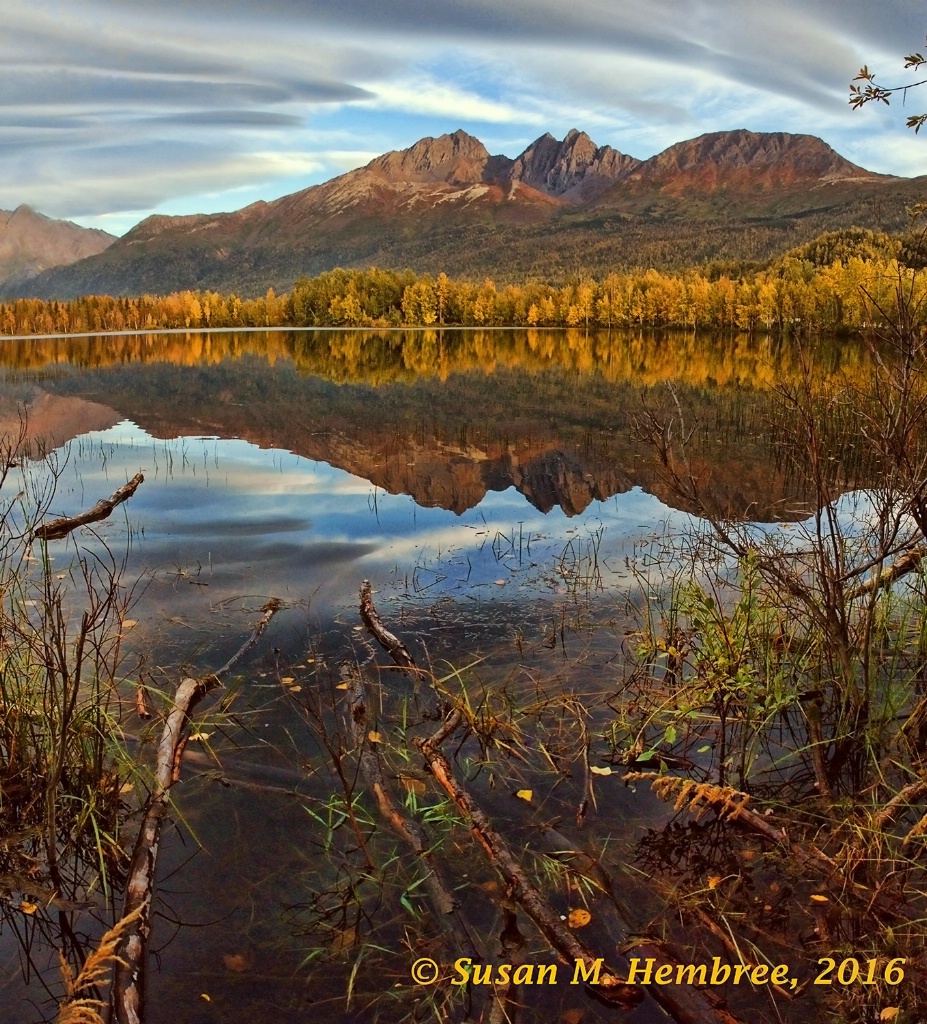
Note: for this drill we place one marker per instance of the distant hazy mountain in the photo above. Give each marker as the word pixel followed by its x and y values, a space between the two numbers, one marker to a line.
pixel 31 243
pixel 560 207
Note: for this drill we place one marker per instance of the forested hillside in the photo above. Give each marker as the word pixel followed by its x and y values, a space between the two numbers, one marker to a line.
pixel 840 281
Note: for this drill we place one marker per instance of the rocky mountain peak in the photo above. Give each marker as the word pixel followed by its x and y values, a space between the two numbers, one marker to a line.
pixel 767 158
pixel 457 159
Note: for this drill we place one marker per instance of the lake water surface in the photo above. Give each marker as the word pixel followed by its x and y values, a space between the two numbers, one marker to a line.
pixel 498 490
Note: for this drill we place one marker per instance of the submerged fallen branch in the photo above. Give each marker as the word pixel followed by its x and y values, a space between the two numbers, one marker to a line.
pixel 395 648
pixel 684 1004
pixel 899 803
pixel 128 983
pixel 526 895
pixel 390 643
pixel 58 528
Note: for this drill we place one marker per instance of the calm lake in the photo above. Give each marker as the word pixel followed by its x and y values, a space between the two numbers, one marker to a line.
pixel 498 490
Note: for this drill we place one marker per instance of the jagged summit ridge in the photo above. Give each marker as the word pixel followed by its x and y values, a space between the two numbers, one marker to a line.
pixel 574 169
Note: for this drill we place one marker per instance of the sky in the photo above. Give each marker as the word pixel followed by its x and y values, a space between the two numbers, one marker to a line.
pixel 111 110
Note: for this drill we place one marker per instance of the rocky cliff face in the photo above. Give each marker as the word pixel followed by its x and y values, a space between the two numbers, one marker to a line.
pixel 31 243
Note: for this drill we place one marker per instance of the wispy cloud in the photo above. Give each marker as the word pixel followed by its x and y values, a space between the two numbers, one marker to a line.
pixel 426 95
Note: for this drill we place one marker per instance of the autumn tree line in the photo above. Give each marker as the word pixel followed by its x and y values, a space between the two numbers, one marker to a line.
pixel 843 281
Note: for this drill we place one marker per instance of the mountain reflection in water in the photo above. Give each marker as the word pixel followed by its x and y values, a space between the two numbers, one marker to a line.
pixel 446 417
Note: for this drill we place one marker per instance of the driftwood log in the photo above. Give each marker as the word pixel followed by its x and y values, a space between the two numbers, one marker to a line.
pixel 58 528
pixel 129 978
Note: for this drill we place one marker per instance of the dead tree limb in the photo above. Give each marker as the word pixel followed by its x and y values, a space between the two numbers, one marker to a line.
pixel 390 643
pixel 129 978
pixel 908 562
pixel 435 709
pixel 684 1004
pixel 735 951
pixel 899 803
pixel 59 528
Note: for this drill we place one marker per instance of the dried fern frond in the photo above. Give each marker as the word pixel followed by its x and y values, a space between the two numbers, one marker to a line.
pixel 698 797
pixel 77 1008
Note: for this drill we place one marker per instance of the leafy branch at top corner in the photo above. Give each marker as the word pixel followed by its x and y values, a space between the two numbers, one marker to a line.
pixel 860 95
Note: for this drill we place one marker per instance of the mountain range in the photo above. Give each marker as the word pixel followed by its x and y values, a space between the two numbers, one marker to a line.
pixel 559 208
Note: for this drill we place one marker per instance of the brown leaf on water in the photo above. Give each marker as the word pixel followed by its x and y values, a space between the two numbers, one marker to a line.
pixel 572 1017
pixel 374 737
pixel 344 939
pixel 815 898
pixel 235 962
pixel 579 918
pixel 413 785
